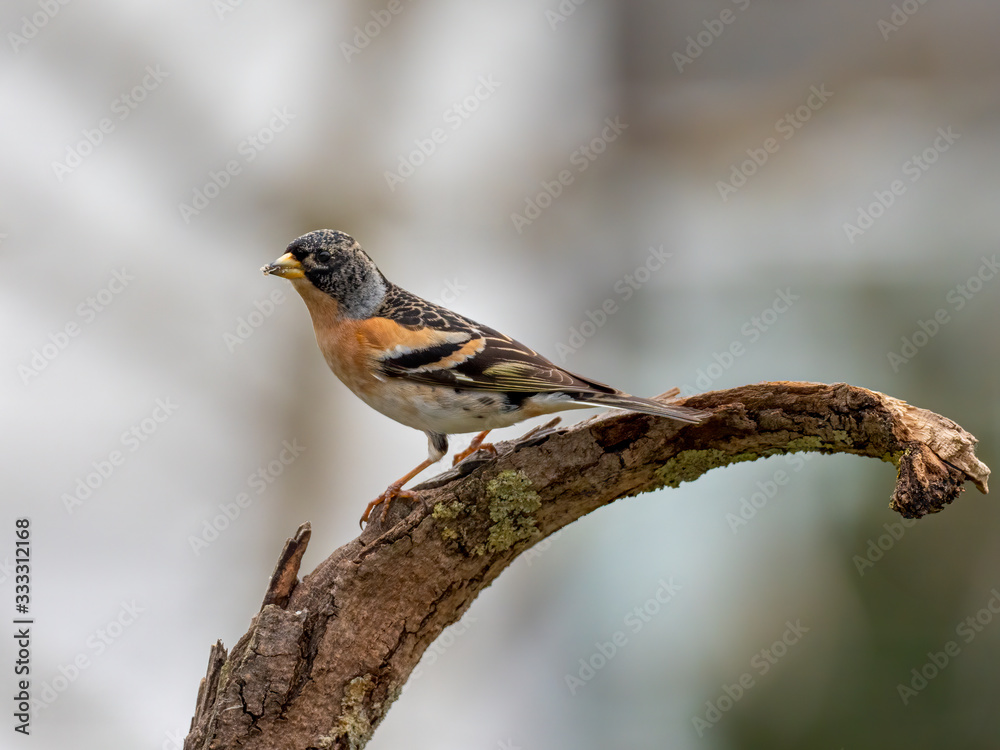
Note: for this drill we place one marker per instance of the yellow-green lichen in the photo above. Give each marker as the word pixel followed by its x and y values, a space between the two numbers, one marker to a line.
pixel 808 443
pixel 354 724
pixel 688 465
pixel 512 503
pixel 893 457
pixel 447 512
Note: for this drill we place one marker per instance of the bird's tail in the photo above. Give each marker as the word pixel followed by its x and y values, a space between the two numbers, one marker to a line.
pixel 646 406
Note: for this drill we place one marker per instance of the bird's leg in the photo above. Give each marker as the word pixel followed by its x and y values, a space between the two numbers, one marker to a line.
pixel 476 444
pixel 395 490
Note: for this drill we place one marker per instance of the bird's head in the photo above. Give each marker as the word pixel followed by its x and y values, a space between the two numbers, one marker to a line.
pixel 334 264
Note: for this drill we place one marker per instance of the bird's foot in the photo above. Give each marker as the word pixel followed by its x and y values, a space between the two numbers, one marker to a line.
pixel 476 444
pixel 392 492
pixel 395 490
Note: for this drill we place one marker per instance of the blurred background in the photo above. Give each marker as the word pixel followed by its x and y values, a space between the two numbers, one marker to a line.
pixel 813 184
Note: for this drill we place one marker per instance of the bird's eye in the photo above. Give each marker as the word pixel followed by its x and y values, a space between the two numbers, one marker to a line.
pixel 322 256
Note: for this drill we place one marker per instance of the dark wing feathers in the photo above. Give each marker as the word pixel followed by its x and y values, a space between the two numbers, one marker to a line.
pixel 510 365
pixel 501 365
pixel 402 364
pixel 414 312
pixel 648 406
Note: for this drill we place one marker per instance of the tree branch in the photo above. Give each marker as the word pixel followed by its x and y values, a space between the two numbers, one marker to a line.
pixel 323 660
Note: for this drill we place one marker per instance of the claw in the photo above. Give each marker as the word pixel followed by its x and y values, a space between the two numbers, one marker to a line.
pixel 393 491
pixel 476 444
pixel 385 500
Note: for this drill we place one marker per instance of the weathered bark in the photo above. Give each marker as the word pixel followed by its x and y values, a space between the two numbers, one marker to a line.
pixel 323 660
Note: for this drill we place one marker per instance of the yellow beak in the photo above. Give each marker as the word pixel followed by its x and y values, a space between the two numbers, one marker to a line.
pixel 287 267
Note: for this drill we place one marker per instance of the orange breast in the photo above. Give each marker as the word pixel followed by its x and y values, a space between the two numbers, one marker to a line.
pixel 352 348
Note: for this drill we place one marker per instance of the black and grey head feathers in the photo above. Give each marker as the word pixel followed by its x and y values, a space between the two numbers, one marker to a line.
pixel 335 264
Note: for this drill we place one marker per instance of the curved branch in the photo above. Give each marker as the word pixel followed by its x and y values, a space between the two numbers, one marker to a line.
pixel 323 660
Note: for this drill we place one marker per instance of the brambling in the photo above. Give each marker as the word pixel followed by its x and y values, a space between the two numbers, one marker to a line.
pixel 426 366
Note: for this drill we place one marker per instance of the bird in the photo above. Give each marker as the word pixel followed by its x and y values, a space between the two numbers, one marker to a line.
pixel 426 366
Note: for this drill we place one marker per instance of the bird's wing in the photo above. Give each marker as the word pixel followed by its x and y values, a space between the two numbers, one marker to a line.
pixel 447 349
pixel 487 360
pixel 462 353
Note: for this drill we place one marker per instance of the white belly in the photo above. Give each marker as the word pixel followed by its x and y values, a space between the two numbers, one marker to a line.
pixel 449 411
